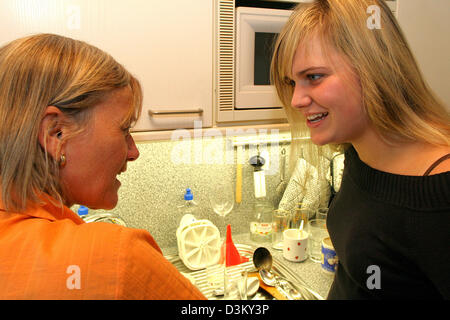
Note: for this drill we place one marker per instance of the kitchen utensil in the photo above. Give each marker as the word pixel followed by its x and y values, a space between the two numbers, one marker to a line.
pixel 295 294
pixel 279 191
pixel 242 285
pixel 239 162
pixel 232 258
pixel 252 286
pixel 231 254
pixel 268 277
pixel 262 259
pixel 283 286
pixel 259 177
pixel 198 243
pixel 272 291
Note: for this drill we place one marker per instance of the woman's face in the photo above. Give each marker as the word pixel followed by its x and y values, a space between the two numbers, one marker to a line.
pixel 328 94
pixel 98 155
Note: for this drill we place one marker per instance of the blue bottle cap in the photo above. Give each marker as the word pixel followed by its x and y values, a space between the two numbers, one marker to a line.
pixel 82 211
pixel 188 195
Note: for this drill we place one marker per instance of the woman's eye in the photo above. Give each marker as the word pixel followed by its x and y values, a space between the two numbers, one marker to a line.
pixel 315 76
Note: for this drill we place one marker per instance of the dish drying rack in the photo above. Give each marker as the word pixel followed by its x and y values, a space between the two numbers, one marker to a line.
pixel 200 277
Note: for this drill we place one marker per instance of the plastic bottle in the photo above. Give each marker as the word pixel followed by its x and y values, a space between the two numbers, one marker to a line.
pixel 83 212
pixel 189 206
pixel 261 224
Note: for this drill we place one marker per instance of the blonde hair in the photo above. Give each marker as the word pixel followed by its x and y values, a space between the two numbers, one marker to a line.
pixel 395 97
pixel 39 71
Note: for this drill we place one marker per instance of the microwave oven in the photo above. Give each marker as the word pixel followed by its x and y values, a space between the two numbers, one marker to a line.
pixel 245 37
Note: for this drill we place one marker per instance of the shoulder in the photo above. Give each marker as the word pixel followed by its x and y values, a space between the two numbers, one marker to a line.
pixel 115 237
pixel 406 191
pixel 440 165
pixel 431 159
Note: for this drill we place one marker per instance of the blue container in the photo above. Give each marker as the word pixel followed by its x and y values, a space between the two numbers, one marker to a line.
pixel 329 257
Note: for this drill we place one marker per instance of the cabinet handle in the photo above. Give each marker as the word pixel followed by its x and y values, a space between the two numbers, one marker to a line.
pixel 152 113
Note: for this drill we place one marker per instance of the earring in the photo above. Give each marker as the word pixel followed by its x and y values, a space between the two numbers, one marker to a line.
pixel 62 161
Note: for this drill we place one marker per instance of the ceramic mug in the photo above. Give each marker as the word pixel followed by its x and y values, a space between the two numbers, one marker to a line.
pixel 295 244
pixel 329 257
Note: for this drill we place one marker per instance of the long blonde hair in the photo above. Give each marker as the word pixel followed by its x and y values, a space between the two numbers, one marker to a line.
pixel 395 97
pixel 40 71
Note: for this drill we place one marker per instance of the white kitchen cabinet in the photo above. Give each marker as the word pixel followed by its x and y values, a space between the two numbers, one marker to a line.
pixel 167 45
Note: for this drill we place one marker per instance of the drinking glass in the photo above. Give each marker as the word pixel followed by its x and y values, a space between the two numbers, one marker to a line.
pixel 301 213
pixel 280 223
pixel 221 198
pixel 322 213
pixel 317 230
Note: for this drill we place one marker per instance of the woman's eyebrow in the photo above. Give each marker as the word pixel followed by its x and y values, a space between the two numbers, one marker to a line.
pixel 300 73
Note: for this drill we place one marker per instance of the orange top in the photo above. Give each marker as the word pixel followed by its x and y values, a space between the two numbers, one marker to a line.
pixel 51 253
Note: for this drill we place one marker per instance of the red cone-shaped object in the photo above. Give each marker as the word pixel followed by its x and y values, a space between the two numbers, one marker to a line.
pixel 232 254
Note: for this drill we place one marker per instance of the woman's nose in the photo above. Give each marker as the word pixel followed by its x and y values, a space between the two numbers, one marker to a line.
pixel 300 98
pixel 133 152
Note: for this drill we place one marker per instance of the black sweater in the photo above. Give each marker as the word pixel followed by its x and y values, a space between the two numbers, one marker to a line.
pixel 391 234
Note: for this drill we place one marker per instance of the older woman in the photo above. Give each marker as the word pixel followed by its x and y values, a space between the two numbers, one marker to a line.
pixel 66 108
pixel 360 89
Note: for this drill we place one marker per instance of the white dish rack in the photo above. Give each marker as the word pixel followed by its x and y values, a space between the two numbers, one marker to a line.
pixel 200 277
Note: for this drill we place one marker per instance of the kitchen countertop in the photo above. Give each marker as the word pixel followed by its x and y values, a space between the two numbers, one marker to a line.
pixel 311 272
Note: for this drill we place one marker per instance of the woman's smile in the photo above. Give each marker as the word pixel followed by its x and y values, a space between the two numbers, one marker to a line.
pixel 315 120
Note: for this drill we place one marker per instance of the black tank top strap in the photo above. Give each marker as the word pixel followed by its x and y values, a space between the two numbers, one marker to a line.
pixel 436 163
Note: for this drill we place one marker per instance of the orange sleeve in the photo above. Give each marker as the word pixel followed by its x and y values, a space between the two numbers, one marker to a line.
pixel 144 273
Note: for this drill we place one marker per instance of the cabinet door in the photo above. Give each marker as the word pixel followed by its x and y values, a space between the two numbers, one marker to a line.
pixel 167 45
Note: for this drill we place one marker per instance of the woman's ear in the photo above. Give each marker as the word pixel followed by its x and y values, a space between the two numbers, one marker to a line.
pixel 51 131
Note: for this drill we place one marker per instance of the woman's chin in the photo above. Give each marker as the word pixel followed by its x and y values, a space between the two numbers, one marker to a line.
pixel 318 140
